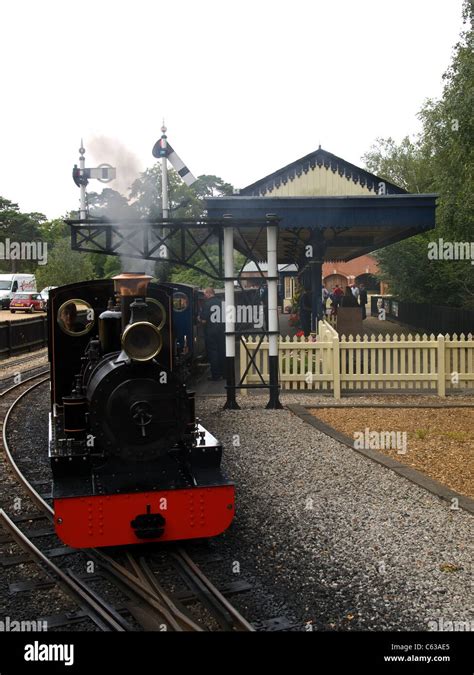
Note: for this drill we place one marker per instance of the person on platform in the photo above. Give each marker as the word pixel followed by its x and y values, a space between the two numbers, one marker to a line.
pixel 213 318
pixel 305 311
pixel 325 298
pixel 336 297
pixel 263 295
pixel 355 292
pixel 363 300
pixel 348 299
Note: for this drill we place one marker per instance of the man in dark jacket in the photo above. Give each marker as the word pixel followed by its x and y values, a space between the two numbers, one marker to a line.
pixel 348 299
pixel 305 311
pixel 363 300
pixel 212 316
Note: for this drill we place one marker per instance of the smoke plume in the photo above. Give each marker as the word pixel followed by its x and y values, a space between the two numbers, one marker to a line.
pixel 111 151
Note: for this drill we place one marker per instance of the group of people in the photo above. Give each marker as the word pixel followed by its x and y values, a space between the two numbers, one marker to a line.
pixel 353 296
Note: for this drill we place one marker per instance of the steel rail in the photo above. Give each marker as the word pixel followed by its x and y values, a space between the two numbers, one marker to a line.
pixel 34 495
pixel 178 621
pixel 104 617
pixel 224 608
pixel 4 392
pixel 143 582
pixel 140 588
pixel 145 573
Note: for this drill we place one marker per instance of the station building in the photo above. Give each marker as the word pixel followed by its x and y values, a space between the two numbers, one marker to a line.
pixel 320 174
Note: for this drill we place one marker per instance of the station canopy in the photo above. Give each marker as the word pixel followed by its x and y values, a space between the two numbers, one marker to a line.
pixel 321 197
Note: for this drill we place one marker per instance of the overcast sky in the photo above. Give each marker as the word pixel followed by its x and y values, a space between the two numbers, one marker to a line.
pixel 245 87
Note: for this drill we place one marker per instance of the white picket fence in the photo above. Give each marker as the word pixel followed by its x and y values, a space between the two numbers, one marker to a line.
pixel 431 364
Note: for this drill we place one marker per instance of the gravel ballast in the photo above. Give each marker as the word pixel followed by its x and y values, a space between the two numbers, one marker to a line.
pixel 326 537
pixel 347 543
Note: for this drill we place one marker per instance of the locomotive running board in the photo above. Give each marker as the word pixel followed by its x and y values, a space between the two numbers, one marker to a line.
pixel 116 520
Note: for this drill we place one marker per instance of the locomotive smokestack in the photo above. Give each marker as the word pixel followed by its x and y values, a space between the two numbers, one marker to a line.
pixel 131 284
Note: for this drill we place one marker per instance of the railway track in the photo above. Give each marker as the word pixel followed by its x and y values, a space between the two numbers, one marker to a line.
pixel 15 361
pixel 16 370
pixel 149 604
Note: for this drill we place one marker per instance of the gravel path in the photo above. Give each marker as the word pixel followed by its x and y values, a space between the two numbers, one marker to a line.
pixel 345 542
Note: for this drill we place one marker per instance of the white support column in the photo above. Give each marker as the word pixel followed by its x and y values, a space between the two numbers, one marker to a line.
pixel 164 187
pixel 230 312
pixel 272 237
pixel 272 281
pixel 82 166
pixel 229 291
pixel 164 192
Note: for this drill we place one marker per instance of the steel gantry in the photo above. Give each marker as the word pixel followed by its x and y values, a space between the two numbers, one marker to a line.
pixel 180 242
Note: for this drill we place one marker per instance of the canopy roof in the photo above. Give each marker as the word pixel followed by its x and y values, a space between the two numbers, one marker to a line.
pixel 350 226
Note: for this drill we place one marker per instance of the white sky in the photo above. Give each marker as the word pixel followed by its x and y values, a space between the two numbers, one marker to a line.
pixel 245 87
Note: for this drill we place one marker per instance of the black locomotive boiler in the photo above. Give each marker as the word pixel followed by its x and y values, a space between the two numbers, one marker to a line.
pixel 130 461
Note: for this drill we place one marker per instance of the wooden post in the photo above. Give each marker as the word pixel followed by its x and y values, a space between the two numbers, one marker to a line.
pixel 336 367
pixel 441 366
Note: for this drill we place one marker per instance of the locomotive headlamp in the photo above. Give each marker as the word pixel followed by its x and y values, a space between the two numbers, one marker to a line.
pixel 141 341
pixel 131 284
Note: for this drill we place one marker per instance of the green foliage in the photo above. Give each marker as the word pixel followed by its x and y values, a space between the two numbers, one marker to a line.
pixel 184 202
pixel 109 203
pixel 184 275
pixel 112 266
pixel 52 231
pixel 408 164
pixel 411 275
pixel 440 160
pixel 18 227
pixel 448 134
pixel 64 266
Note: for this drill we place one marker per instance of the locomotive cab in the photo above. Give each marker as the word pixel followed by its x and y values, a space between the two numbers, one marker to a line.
pixel 130 461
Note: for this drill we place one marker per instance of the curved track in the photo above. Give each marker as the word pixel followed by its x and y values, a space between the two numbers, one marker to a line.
pixel 159 610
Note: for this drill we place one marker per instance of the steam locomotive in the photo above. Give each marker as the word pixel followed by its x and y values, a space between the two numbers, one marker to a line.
pixel 130 461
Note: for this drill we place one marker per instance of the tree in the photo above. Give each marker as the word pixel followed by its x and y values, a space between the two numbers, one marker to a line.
pixel 185 202
pixel 448 135
pixel 211 186
pixel 18 227
pixel 52 231
pixel 64 266
pixel 109 203
pixel 440 160
pixel 408 164
pixel 112 266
